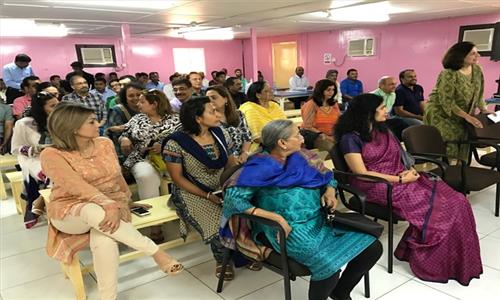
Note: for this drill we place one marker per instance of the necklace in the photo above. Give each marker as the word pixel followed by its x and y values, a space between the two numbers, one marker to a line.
pixel 326 109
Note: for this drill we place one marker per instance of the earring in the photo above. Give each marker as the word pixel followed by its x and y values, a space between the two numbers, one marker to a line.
pixel 226 104
pixel 284 148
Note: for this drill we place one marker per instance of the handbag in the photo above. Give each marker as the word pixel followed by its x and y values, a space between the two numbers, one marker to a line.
pixel 157 162
pixel 356 222
pixel 309 137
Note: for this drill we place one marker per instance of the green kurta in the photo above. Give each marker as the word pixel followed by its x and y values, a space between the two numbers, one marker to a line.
pixel 453 92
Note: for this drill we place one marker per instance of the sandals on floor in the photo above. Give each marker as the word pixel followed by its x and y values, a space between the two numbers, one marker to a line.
pixel 254 266
pixel 228 275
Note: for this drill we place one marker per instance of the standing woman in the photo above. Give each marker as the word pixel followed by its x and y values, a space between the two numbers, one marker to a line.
pixel 196 157
pixel 29 138
pixel 232 120
pixel 457 94
pixel 90 200
pixel 260 109
pixel 142 137
pixel 319 115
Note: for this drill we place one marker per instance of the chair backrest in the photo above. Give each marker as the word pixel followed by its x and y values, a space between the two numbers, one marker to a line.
pixel 227 173
pixel 490 130
pixel 339 163
pixel 423 139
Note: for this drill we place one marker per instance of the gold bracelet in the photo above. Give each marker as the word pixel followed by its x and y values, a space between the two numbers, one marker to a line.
pixel 208 195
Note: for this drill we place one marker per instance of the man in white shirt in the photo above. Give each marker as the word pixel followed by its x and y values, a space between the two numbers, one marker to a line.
pixel 299 82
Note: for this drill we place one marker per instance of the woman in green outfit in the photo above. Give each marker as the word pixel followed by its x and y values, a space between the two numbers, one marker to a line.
pixel 457 94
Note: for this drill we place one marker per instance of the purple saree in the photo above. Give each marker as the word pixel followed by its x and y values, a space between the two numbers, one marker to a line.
pixel 441 242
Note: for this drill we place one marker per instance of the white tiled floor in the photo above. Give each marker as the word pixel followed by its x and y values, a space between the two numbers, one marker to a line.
pixel 27 273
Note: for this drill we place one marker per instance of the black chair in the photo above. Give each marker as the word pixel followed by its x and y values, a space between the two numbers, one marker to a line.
pixel 281 263
pixel 426 140
pixel 487 136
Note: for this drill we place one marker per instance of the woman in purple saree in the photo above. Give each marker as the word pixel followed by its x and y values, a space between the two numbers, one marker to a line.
pixel 441 242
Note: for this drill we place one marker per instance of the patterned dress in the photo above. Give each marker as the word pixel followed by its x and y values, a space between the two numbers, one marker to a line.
pixel 454 91
pixel 441 242
pixel 239 134
pixel 142 132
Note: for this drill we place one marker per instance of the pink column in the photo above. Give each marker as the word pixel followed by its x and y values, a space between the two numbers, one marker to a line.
pixel 126 49
pixel 253 35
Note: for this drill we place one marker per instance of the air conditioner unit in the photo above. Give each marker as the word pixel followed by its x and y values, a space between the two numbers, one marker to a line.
pixel 96 55
pixel 482 38
pixel 361 47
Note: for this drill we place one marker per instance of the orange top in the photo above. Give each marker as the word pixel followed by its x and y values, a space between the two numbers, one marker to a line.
pixel 319 119
pixel 77 181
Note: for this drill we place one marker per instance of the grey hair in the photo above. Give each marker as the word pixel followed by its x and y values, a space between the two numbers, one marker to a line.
pixel 382 79
pixel 275 131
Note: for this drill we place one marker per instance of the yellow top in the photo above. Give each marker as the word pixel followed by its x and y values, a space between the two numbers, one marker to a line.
pixel 258 116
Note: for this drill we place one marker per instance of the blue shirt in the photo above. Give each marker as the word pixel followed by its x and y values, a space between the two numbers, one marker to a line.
pixel 351 87
pixel 105 95
pixel 151 85
pixel 410 99
pixel 13 75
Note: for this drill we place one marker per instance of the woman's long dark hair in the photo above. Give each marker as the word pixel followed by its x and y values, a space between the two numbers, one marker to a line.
pixel 319 88
pixel 122 96
pixel 230 110
pixel 37 112
pixel 454 57
pixel 254 89
pixel 360 117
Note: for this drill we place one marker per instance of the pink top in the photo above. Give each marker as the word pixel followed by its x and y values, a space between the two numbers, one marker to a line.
pixel 20 104
pixel 78 181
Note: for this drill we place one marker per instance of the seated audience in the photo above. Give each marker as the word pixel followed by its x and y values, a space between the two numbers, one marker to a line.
pixel 3 91
pixel 260 77
pixel 220 78
pixel 319 116
pixel 333 76
pixel 29 138
pixel 260 109
pixel 78 70
pixel 6 125
pixel 204 80
pixel 102 90
pixel 196 157
pixel 141 140
pixel 100 75
pixel 42 86
pixel 386 88
pixel 116 87
pixel 269 186
pixel 232 120
pixel 441 241
pixel 89 202
pixel 351 86
pixel 168 90
pixel 28 86
pixel 142 78
pixel 409 105
pixel 154 82
pixel 82 95
pixel 233 84
pixel 55 80
pixel 182 92
pixel 244 82
pixel 196 84
pixel 213 81
pixel 121 113
pixel 299 82
pixel 112 76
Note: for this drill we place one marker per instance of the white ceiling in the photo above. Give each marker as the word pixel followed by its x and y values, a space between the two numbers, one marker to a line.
pixel 268 17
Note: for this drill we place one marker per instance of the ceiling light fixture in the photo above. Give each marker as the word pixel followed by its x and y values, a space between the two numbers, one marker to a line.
pixel 26 27
pixel 372 12
pixel 209 34
pixel 145 5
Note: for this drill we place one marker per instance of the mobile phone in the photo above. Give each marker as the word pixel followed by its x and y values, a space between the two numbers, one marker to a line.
pixel 140 211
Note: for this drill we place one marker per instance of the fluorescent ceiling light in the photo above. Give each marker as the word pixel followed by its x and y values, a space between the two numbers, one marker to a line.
pixel 209 34
pixel 147 5
pixel 25 27
pixel 372 12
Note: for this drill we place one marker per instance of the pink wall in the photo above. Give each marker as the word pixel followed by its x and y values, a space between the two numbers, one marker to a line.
pixel 418 45
pixel 53 55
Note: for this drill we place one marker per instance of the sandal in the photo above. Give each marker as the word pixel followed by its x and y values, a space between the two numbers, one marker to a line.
pixel 173 267
pixel 228 275
pixel 254 266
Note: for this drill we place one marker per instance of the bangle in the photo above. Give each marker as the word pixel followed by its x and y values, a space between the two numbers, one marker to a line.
pixel 208 195
pixel 400 179
pixel 253 210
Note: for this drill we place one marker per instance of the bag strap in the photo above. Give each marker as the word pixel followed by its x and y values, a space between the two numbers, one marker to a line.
pixel 124 111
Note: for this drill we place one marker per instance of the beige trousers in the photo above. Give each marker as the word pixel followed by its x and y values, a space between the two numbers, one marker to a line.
pixel 104 245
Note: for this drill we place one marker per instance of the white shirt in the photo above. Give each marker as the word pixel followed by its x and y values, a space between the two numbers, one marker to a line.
pixel 168 90
pixel 338 97
pixel 298 83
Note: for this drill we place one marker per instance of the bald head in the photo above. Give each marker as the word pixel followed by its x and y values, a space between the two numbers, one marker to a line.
pixel 387 84
pixel 299 71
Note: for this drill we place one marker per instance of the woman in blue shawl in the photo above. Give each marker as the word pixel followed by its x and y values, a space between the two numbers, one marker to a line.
pixel 281 184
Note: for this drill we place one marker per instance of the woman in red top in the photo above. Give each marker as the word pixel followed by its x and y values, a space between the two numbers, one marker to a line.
pixel 319 115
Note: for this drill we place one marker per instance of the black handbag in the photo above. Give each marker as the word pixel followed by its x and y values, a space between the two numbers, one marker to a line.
pixel 355 222
pixel 309 137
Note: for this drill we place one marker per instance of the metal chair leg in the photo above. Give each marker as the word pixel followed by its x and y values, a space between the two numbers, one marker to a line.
pixel 225 261
pixel 367 285
pixel 390 246
pixel 497 200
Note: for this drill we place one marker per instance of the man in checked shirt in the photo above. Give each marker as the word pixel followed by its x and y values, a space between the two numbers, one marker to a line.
pixel 81 95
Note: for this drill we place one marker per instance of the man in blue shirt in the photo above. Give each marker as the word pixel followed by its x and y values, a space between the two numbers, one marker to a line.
pixel 13 75
pixel 102 90
pixel 409 105
pixel 155 82
pixel 351 86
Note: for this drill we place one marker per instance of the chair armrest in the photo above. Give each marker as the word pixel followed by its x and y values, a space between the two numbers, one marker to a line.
pixel 362 176
pixel 358 195
pixel 441 164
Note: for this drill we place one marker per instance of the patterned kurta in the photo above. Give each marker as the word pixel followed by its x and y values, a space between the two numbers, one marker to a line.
pixel 239 135
pixel 142 133
pixel 454 91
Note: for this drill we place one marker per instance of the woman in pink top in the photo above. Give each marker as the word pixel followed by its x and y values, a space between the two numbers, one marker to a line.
pixel 89 195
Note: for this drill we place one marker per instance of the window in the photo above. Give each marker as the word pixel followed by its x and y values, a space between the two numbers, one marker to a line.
pixel 189 59
pixel 361 47
pixel 96 55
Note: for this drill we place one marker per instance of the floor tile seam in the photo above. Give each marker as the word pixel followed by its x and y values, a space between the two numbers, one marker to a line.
pixel 396 287
pixel 203 283
pixel 31 281
pixel 23 252
pixel 267 285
